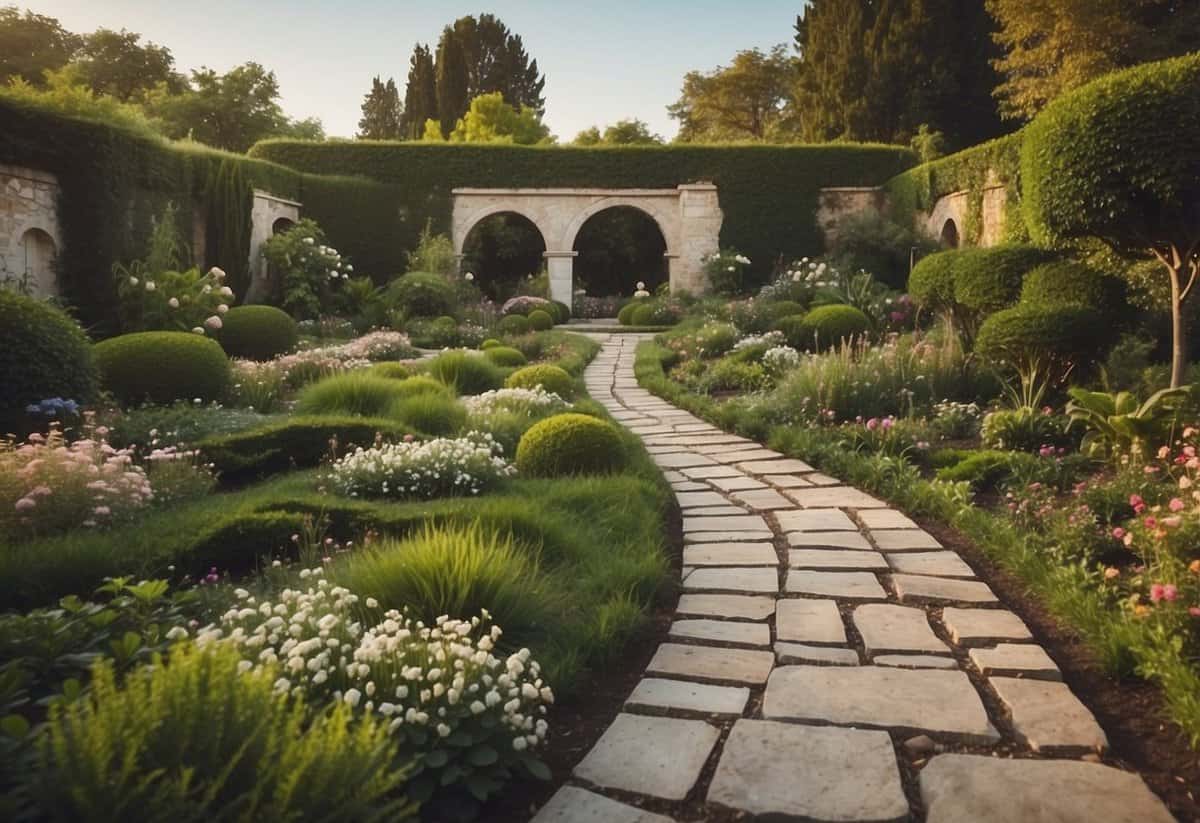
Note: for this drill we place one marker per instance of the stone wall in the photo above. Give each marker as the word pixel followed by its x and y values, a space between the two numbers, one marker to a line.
pixel 29 231
pixel 836 203
pixel 267 211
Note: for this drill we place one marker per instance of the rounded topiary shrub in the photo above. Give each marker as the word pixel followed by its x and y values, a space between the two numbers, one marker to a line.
pixel 257 332
pixel 550 378
pixel 513 325
pixel 466 372
pixel 785 308
pixel 162 367
pixel 540 320
pixel 421 384
pixel 824 327
pixel 987 280
pixel 44 354
pixel 1070 283
pixel 395 371
pixel 642 315
pixel 490 343
pixel 794 331
pixel 625 315
pixel 1052 338
pixel 421 294
pixel 931 282
pixel 505 356
pixel 570 444
pixel 562 312
pixel 436 414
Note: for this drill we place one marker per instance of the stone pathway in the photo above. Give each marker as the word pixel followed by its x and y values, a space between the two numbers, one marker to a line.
pixel 829 661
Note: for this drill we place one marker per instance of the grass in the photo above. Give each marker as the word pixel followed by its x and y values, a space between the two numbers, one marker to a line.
pixel 358 393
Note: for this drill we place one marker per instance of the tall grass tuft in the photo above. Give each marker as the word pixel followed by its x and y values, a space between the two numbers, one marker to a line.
pixel 357 393
pixel 466 372
pixel 434 414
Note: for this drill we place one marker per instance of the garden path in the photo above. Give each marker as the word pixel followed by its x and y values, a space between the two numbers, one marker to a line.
pixel 829 660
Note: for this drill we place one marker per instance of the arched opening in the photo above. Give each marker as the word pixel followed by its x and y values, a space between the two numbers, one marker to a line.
pixel 281 225
pixel 619 247
pixel 500 251
pixel 949 235
pixel 41 254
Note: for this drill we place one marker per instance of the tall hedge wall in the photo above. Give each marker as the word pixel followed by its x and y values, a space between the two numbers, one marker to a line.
pixel 918 188
pixel 768 193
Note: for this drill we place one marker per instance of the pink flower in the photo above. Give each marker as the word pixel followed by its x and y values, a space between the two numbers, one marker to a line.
pixel 1173 522
pixel 1175 505
pixel 25 504
pixel 1169 592
pixel 873 424
pixel 887 423
pixel 1118 532
pixel 1194 611
pixel 213 322
pixel 1156 592
pixel 1151 522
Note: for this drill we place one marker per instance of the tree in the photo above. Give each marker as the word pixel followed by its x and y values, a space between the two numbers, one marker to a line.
pixel 588 137
pixel 452 97
pixel 1119 160
pixel 491 120
pixel 629 132
pixel 496 60
pixel 420 96
pixel 309 128
pixel 743 101
pixel 381 112
pixel 115 63
pixel 30 44
pixel 1052 46
pixel 230 111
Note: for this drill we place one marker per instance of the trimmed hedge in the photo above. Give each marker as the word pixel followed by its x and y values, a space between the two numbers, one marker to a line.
pixel 987 280
pixel 257 332
pixel 829 326
pixel 550 378
pixel 562 312
pixel 931 282
pixel 540 320
pixel 421 294
pixel 505 356
pixel 570 444
pixel 1071 283
pixel 768 193
pixel 44 354
pixel 642 315
pixel 625 315
pixel 436 414
pixel 1053 337
pixel 466 372
pixel 513 325
pixel 162 367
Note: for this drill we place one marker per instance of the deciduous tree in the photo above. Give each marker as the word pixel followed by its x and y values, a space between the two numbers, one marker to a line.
pixel 32 43
pixel 229 111
pixel 116 63
pixel 742 101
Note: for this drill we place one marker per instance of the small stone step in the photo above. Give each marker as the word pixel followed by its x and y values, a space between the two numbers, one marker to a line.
pixel 722 631
pixel 574 805
pixel 815 520
pixel 783 465
pixel 840 497
pixel 729 606
pixel 919 588
pixel 816 655
pixel 681 695
pixel 845 585
pixel 762 499
pixel 709 472
pixel 1016 660
pixel 969 626
pixel 1047 716
pixel 938 564
pixel 886 628
pixel 836 559
pixel 740 666
pixel 690 500
pixel 724 523
pixel 830 540
pixel 886 519
pixel 904 540
pixel 805 620
pixel 655 756
pixel 727 537
pixel 750 580
pixel 915 661
pixel 740 482
pixel 730 554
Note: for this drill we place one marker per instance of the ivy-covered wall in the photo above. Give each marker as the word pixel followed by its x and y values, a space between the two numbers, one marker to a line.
pixel 769 194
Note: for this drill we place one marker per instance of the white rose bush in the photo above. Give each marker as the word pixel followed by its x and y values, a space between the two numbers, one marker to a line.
pixel 173 300
pixel 311 270
pixel 422 469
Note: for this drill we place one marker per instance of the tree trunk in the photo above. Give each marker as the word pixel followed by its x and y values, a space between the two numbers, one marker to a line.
pixel 1178 327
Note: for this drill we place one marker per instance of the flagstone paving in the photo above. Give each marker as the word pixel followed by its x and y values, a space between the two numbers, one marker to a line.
pixel 818 631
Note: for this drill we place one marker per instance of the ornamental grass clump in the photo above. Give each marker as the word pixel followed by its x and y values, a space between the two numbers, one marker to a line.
pixel 422 469
pixel 470 719
pixel 357 393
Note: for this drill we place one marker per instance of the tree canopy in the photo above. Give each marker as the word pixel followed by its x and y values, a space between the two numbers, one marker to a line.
pixel 490 119
pixel 381 112
pixel 30 44
pixel 742 101
pixel 628 132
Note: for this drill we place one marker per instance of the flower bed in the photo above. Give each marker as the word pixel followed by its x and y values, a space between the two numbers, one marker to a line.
pixel 425 469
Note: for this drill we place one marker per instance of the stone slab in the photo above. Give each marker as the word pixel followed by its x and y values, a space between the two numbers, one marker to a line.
pixel 846 585
pixel 916 587
pixel 689 486
pixel 815 520
pixel 847 774
pixel 690 500
pixel 739 483
pixel 740 458
pixel 762 499
pixel 714 511
pixel 829 540
pixel 730 554
pixel 818 479
pixel 915 661
pixel 741 666
pixel 920 700
pixel 886 519
pixel 680 695
pixel 817 655
pixel 786 481
pixel 681 460
pixel 574 805
pixel 804 620
pixel 730 606
pixel 1047 716
pixel 981 789
pixel 751 580
pixel 840 497
pixel 724 523
pixel 656 756
pixel 886 627
pixel 727 537
pixel 709 472
pixel 722 631
pixel 783 465
pixel 904 540
pixel 1016 660
pixel 976 625
pixel 938 564
pixel 835 559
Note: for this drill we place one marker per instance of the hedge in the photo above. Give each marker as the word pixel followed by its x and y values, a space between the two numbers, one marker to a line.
pixel 768 193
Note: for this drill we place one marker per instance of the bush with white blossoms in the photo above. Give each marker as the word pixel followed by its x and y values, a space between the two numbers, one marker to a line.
pixel 535 402
pixel 780 359
pixel 422 469
pixel 726 271
pixel 469 717
pixel 311 270
pixel 771 339
pixel 173 300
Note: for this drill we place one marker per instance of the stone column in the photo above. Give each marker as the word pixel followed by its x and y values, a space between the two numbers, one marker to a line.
pixel 700 219
pixel 561 265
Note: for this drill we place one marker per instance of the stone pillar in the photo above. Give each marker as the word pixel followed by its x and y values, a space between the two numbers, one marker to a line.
pixel 561 265
pixel 700 219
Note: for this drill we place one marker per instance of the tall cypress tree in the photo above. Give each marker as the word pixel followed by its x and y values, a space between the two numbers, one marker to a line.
pixel 452 91
pixel 420 96
pixel 831 92
pixel 381 112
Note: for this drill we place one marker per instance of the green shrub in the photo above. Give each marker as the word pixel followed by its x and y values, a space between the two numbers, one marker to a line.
pixel 540 320
pixel 931 283
pixel 44 354
pixel 162 367
pixel 490 343
pixel 988 280
pixel 257 332
pixel 360 393
pixel 625 315
pixel 513 325
pixel 562 312
pixel 1049 339
pixel 730 374
pixel 795 331
pixel 1070 283
pixel 570 444
pixel 196 738
pixel 551 378
pixel 642 315
pixel 421 294
pixel 985 470
pixel 715 339
pixel 869 241
pixel 1024 429
pixel 392 371
pixel 778 309
pixel 505 356
pixel 829 326
pixel 466 372
pixel 431 413
pixel 422 384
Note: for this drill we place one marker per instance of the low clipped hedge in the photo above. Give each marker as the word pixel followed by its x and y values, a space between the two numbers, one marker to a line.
pixel 988 280
pixel 437 414
pixel 257 332
pixel 827 326
pixel 421 294
pixel 1069 283
pixel 931 282
pixel 466 372
pixel 550 378
pixel 780 309
pixel 642 315
pixel 1052 337
pixel 505 356
pixel 298 442
pixel 490 343
pixel 513 325
pixel 540 320
pixel 571 444
pixel 625 315
pixel 44 354
pixel 162 367
pixel 359 393
pixel 562 312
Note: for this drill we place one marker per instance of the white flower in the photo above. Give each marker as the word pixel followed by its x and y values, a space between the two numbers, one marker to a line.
pixel 225 291
pixel 173 302
pixel 177 633
pixel 217 273
pixel 133 281
pixel 150 285
pixel 469 276
pixel 520 744
pixel 222 309
pixel 198 330
pixel 213 322
pixel 309 240
pixel 352 697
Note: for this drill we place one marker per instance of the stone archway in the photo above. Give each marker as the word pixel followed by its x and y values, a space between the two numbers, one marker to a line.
pixel 949 235
pixel 39 265
pixel 689 217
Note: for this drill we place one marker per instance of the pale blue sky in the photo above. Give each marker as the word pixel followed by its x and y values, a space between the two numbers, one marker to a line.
pixel 603 60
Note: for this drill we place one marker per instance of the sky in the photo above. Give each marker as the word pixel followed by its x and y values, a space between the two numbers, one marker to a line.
pixel 603 61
